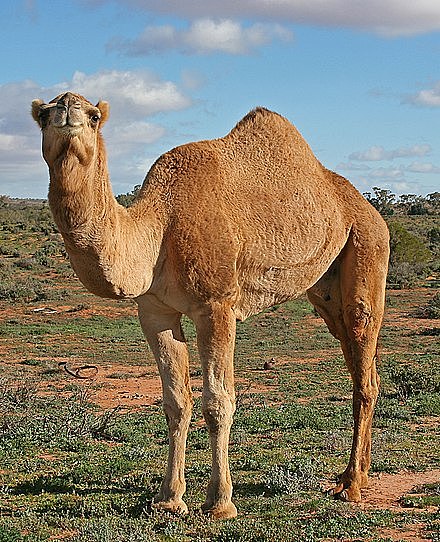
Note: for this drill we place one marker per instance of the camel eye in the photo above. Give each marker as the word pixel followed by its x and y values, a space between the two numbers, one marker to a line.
pixel 95 118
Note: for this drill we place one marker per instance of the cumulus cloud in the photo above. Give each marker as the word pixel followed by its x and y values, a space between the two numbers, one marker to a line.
pixel 391 18
pixel 378 153
pixel 132 93
pixel 399 178
pixel 133 97
pixel 203 36
pixel 422 167
pixel 350 166
pixel 387 173
pixel 426 98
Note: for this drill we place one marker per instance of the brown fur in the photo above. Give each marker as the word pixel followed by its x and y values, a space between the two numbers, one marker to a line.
pixel 221 230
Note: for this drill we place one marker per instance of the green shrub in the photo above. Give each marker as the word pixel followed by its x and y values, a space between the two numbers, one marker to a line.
pixel 409 257
pixel 25 263
pixel 21 290
pixel 434 240
pixel 410 381
pixel 130 197
pixel 404 275
pixel 432 309
pixel 406 247
pixel 291 478
pixel 10 534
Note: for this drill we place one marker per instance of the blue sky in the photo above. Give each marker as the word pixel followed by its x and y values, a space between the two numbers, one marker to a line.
pixel 359 79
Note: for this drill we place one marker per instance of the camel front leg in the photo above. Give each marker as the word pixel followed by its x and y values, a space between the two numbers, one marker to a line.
pixel 216 337
pixel 165 336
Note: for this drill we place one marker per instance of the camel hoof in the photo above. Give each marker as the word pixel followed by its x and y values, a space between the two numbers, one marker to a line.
pixel 174 506
pixel 221 511
pixel 346 494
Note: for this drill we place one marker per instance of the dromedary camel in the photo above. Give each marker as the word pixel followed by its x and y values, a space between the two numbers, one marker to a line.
pixel 221 230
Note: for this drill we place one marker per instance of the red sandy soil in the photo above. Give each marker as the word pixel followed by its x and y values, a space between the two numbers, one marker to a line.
pixel 385 491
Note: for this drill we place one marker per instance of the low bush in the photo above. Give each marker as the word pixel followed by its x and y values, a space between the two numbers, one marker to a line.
pixel 432 309
pixel 291 478
pixel 410 381
pixel 409 257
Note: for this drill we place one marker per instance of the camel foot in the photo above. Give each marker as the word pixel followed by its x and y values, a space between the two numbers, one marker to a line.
pixel 174 506
pixel 220 511
pixel 346 493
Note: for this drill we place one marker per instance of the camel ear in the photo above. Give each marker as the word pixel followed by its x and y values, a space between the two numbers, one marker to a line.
pixel 105 111
pixel 36 108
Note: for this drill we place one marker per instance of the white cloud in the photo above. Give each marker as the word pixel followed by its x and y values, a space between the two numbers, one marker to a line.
pixel 390 18
pixel 139 131
pixel 133 97
pixel 422 167
pixel 135 94
pixel 203 36
pixel 10 142
pixel 387 173
pixel 378 153
pixel 427 98
pixel 350 166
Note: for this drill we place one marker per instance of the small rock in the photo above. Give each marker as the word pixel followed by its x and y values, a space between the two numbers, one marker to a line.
pixel 268 365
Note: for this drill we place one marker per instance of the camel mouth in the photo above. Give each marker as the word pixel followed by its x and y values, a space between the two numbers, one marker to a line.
pixel 68 131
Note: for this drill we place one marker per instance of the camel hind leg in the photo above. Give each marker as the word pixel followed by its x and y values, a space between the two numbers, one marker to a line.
pixel 350 297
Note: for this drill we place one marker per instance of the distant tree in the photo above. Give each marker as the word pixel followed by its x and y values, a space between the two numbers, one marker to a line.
pixel 433 200
pixel 411 204
pixel 434 240
pixel 382 199
pixel 128 199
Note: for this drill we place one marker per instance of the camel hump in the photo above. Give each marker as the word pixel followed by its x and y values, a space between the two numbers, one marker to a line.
pixel 258 112
pixel 259 116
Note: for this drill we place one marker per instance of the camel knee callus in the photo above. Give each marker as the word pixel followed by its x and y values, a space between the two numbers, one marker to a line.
pixel 271 224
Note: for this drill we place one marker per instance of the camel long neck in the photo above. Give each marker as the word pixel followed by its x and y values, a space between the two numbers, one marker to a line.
pixel 80 195
pixel 111 252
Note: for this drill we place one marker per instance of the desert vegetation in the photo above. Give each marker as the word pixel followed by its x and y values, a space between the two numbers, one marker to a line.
pixel 80 460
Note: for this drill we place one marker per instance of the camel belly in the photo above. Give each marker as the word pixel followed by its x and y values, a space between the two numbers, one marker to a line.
pixel 265 281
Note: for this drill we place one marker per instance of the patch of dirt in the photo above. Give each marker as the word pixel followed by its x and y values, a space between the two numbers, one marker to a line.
pixel 121 385
pixel 411 533
pixel 385 490
pixel 116 385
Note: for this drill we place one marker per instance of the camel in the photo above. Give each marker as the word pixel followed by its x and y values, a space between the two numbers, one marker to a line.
pixel 221 230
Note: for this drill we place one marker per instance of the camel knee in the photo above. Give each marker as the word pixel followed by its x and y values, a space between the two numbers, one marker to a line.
pixel 366 396
pixel 359 319
pixel 218 410
pixel 177 412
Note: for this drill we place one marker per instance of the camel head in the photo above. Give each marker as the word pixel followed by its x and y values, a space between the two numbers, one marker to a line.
pixel 69 124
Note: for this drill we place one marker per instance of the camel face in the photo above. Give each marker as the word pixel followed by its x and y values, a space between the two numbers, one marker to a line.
pixel 66 117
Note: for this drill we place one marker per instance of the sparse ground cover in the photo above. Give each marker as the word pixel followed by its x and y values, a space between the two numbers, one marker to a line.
pixel 80 460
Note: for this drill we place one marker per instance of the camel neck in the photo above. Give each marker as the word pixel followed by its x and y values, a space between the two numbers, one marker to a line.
pixel 112 251
pixel 80 195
